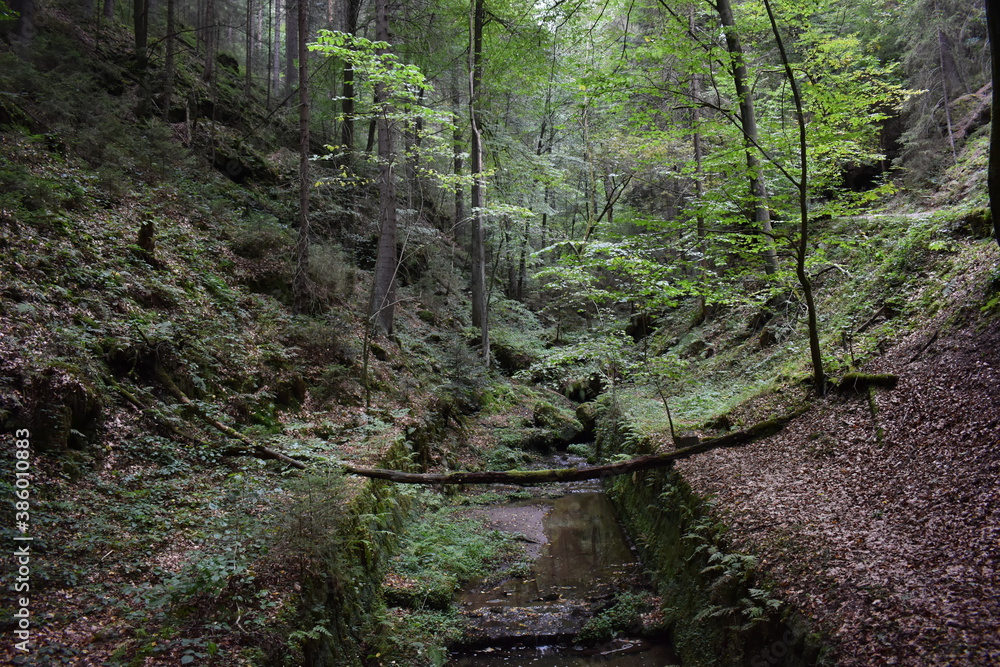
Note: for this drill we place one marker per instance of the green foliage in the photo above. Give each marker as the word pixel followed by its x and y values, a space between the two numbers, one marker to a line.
pixel 592 355
pixel 443 550
pixel 33 199
pixel 516 338
pixel 419 637
pixel 440 551
pixel 621 616
pixel 6 13
pixel 508 457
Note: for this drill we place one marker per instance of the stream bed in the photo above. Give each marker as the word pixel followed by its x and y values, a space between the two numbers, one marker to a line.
pixel 581 561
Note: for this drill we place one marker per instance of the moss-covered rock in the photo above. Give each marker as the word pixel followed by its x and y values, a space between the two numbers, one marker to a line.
pixel 586 414
pixel 560 423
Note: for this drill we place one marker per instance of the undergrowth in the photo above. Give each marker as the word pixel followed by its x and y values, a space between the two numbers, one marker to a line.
pixel 442 550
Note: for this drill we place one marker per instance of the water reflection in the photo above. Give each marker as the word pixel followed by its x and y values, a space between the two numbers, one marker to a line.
pixel 584 554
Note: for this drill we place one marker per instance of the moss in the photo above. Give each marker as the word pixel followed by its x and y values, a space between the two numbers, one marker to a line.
pixel 343 593
pixel 713 598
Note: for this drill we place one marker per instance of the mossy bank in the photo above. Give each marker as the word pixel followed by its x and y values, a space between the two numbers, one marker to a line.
pixel 717 606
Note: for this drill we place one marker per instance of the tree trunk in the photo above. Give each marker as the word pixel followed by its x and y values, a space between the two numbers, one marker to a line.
pixel 383 298
pixel 275 48
pixel 291 45
pixel 109 9
pixel 456 139
pixel 527 477
pixel 168 74
pixel 140 24
pixel 479 305
pixel 819 378
pixel 748 119
pixel 699 187
pixel 301 285
pixel 993 172
pixel 209 40
pixel 248 47
pixel 351 10
pixel 948 73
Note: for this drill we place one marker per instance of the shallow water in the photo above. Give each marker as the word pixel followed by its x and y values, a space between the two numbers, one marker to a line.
pixel 658 655
pixel 583 554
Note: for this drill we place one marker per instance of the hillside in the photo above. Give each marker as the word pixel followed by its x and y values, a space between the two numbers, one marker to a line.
pixel 187 424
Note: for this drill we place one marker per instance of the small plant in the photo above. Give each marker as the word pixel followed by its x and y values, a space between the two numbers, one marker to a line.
pixel 622 616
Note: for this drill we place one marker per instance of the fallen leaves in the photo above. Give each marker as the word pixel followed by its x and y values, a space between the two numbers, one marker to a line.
pixel 892 544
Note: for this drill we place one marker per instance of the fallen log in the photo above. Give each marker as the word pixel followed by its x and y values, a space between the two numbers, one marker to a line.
pixel 256 450
pixel 860 382
pixel 528 477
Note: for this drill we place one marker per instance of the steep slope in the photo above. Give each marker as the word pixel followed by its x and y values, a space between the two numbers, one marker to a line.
pixel 876 514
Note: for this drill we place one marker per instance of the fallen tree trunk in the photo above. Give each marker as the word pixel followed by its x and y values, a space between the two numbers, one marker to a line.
pixel 528 477
pixel 257 451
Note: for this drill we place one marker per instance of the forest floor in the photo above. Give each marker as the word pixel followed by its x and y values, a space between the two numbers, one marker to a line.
pixel 874 515
pixel 877 515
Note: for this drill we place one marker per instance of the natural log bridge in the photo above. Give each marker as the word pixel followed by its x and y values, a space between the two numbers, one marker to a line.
pixel 528 477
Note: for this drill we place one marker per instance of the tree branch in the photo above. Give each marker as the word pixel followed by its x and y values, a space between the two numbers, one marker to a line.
pixel 257 450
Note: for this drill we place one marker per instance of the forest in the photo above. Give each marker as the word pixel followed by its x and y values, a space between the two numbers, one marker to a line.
pixel 318 319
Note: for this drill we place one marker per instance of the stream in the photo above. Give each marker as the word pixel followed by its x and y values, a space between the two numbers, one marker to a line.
pixel 581 560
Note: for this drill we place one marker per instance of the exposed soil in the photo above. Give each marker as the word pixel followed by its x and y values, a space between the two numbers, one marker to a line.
pixel 883 524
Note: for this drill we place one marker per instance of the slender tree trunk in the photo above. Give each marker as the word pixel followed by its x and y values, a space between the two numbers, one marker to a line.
pixel 819 378
pixel 249 49
pixel 109 9
pixel 351 10
pixel 547 149
pixel 993 179
pixel 199 27
pixel 382 305
pixel 948 73
pixel 209 40
pixel 457 152
pixel 699 188
pixel 347 107
pixel 291 45
pixel 372 127
pixel 522 262
pixel 168 80
pixel 301 288
pixel 140 24
pixel 275 51
pixel 590 175
pixel 479 306
pixel 748 118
